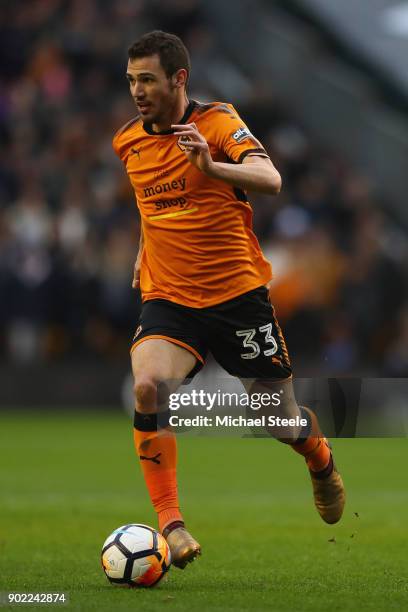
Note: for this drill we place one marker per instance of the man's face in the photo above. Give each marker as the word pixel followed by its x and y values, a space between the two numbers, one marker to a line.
pixel 153 93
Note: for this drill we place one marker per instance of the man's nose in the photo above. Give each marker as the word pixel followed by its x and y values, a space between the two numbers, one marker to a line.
pixel 137 91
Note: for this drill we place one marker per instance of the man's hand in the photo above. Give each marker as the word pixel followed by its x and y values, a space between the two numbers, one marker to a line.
pixel 256 173
pixel 196 146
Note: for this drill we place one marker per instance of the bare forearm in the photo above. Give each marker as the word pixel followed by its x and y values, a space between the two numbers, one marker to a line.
pixel 251 177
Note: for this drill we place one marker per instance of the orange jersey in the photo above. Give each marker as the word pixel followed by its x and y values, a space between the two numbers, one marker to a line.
pixel 199 247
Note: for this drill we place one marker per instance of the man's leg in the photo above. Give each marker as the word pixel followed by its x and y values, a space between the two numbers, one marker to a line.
pixel 308 441
pixel 247 341
pixel 159 367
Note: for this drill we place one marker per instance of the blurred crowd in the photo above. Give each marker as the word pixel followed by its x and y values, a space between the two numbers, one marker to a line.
pixel 68 222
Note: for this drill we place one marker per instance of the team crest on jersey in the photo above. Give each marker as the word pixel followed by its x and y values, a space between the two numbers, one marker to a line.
pixel 241 134
pixel 182 142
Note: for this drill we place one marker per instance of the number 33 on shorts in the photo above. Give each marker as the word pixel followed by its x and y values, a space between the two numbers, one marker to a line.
pixel 248 341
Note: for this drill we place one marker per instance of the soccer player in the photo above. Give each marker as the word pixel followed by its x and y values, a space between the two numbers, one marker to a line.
pixel 201 272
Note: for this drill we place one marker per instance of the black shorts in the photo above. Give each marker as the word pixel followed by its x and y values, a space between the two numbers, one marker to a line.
pixel 242 334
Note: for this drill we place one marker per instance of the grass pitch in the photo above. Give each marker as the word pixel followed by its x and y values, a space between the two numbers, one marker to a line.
pixel 67 480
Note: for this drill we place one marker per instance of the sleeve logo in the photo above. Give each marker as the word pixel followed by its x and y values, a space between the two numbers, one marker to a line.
pixel 241 134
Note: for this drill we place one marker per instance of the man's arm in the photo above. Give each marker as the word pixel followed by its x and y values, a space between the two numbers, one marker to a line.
pixel 136 270
pixel 256 173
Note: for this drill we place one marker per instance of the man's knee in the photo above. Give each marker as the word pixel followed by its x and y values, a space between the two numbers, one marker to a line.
pixel 145 390
pixel 151 395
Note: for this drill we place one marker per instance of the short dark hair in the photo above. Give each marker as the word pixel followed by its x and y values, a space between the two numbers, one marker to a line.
pixel 169 47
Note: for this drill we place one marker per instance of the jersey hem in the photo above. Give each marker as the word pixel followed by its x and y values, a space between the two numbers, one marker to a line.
pixel 259 151
pixel 229 296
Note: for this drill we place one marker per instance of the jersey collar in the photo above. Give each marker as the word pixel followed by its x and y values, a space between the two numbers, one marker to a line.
pixel 148 126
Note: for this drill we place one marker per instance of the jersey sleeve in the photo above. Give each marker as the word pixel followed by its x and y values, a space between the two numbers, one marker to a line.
pixel 232 135
pixel 115 144
pixel 119 146
pixel 119 143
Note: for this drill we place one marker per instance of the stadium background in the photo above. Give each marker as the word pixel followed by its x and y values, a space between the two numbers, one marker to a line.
pixel 69 228
pixel 312 84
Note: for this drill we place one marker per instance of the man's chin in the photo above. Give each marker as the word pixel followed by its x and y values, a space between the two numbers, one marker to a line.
pixel 147 117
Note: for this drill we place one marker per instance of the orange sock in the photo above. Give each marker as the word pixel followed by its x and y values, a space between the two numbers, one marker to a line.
pixel 314 448
pixel 316 452
pixel 157 451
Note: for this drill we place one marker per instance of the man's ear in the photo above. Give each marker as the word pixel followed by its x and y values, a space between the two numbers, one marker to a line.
pixel 179 78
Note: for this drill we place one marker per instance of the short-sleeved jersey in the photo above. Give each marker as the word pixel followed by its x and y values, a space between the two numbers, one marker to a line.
pixel 199 246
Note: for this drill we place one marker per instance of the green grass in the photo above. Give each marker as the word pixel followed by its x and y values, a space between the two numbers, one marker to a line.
pixel 67 480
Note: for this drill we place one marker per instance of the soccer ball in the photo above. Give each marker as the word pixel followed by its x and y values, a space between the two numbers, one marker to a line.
pixel 135 555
